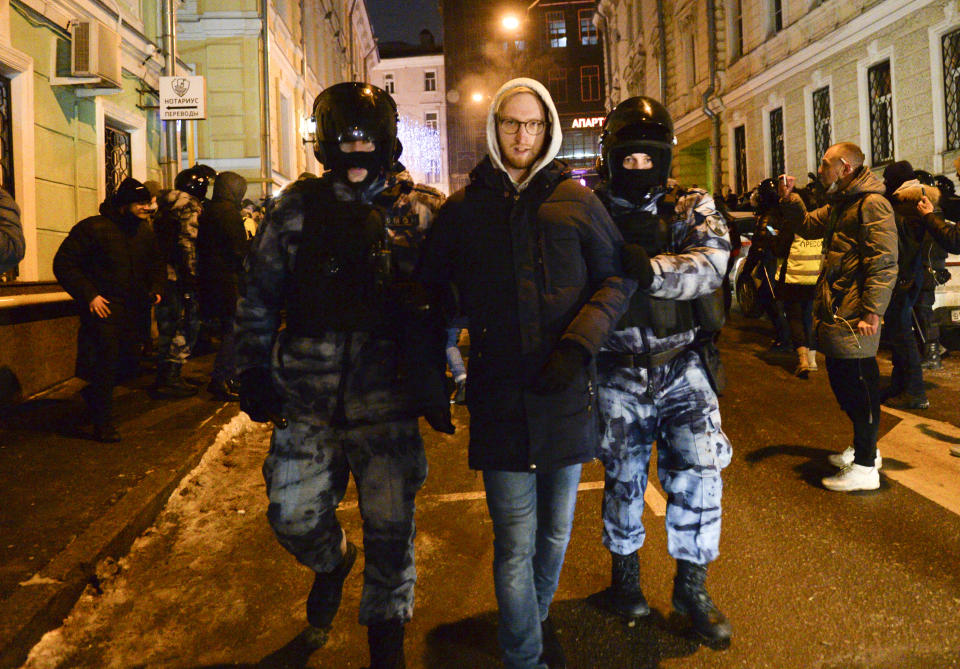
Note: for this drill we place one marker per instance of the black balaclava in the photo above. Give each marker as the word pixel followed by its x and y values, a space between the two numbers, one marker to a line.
pixel 636 185
pixel 340 161
pixel 895 175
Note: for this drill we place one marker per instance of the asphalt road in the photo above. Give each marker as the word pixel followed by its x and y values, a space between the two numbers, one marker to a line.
pixel 808 578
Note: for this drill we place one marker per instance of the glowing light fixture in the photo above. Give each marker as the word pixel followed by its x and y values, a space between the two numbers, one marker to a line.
pixel 510 22
pixel 477 97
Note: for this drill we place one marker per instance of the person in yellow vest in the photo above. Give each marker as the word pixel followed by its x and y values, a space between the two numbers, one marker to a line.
pixel 796 288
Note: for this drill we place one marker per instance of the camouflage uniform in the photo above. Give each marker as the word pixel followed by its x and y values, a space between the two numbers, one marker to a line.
pixel 672 404
pixel 178 314
pixel 310 460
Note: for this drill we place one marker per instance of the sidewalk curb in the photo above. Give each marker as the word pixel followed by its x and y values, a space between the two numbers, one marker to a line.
pixel 31 611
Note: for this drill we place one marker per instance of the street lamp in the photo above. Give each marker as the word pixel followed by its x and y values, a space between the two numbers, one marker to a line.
pixel 477 97
pixel 510 22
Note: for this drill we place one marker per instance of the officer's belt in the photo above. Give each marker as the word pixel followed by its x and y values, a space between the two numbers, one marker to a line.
pixel 645 360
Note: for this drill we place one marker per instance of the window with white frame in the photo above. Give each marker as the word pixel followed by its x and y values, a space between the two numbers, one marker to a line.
pixel 588 31
pixel 556 29
pixel 429 80
pixel 431 120
pixel 389 85
pixel 950 44
pixel 740 158
pixel 820 101
pixel 777 166
pixel 880 103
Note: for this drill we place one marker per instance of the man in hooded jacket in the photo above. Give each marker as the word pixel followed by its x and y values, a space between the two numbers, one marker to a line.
pixel 110 265
pixel 221 245
pixel 534 257
pixel 855 285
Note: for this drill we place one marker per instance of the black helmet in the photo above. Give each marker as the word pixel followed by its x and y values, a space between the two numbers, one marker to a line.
pixel 354 111
pixel 194 180
pixel 767 195
pixel 638 124
pixel 924 177
pixel 944 184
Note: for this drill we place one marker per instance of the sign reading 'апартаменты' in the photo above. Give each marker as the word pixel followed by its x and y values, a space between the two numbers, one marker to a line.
pixel 182 98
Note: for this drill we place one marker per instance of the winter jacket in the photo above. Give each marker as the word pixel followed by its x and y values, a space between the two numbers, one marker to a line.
pixel 176 226
pixel 860 263
pixel 945 233
pixel 221 245
pixel 693 264
pixel 12 245
pixel 309 370
pixel 534 262
pixel 116 257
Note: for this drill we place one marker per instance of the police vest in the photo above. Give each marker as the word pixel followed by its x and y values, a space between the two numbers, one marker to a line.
pixel 342 272
pixel 803 261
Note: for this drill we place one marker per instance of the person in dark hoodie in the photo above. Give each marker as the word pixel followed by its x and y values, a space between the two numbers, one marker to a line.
pixel 111 266
pixel 12 245
pixel 856 281
pixel 221 246
pixel 535 259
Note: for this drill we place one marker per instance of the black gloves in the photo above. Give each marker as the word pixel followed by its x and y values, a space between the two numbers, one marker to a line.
pixel 941 276
pixel 259 399
pixel 561 369
pixel 636 264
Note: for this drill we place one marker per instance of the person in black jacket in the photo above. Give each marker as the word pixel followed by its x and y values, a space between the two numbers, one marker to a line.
pixel 221 246
pixel 11 233
pixel 111 266
pixel 534 256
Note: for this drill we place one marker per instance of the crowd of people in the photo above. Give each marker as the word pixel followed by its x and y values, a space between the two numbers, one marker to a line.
pixel 592 317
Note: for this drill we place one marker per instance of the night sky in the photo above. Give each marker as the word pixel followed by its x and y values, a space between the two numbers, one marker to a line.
pixel 394 20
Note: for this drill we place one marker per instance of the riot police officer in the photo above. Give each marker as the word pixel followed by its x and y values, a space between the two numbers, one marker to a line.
pixel 343 382
pixel 655 383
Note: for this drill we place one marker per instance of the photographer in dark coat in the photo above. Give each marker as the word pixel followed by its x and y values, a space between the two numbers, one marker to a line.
pixel 110 265
pixel 221 245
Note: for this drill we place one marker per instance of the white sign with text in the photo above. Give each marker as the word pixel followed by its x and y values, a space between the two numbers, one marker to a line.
pixel 183 98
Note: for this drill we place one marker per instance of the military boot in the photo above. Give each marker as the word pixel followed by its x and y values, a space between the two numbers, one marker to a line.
pixel 324 598
pixel 624 596
pixel 386 645
pixel 170 385
pixel 690 598
pixel 931 356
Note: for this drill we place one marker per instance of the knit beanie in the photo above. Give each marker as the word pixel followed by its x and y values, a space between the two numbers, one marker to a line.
pixel 129 191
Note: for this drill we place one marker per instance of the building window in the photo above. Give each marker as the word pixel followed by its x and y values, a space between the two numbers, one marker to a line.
pixel 556 29
pixel 776 143
pixel 880 93
pixel 690 49
pixel 388 83
pixel 588 31
pixel 431 120
pixel 557 85
pixel 590 83
pixel 429 81
pixel 736 29
pixel 951 87
pixel 6 137
pixel 821 121
pixel 286 136
pixel 740 158
pixel 116 144
pixel 776 15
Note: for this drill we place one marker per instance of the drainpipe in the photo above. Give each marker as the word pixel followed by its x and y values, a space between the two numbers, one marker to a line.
pixel 353 69
pixel 707 94
pixel 604 25
pixel 662 64
pixel 172 162
pixel 266 160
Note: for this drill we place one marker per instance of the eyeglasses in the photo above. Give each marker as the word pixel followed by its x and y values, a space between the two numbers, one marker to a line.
pixel 511 126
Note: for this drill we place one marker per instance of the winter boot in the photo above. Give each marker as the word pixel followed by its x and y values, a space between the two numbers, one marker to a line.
pixel 223 391
pixel 624 596
pixel 460 397
pixel 803 362
pixel 324 598
pixel 931 356
pixel 386 645
pixel 552 654
pixel 690 598
pixel 169 383
pixel 812 360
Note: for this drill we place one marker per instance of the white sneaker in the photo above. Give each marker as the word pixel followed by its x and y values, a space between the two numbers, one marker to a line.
pixel 841 460
pixel 812 360
pixel 853 477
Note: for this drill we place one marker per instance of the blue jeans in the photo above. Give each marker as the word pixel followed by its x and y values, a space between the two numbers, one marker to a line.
pixel 532 516
pixel 454 359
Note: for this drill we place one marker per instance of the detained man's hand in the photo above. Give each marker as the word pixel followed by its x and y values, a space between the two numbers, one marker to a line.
pixel 99 306
pixel 869 324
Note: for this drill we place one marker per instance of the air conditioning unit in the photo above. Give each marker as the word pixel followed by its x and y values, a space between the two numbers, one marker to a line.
pixel 95 52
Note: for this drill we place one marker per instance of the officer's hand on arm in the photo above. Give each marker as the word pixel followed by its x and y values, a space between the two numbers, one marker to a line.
pixel 98 306
pixel 924 206
pixel 869 324
pixel 636 264
pixel 785 184
pixel 561 369
pixel 259 399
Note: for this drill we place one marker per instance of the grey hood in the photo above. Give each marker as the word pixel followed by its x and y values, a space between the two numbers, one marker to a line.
pixel 553 127
pixel 231 187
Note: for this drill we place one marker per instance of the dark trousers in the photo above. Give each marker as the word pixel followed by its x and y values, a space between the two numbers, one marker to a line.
pixel 800 319
pixel 907 373
pixel 855 383
pixel 108 355
pixel 924 311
